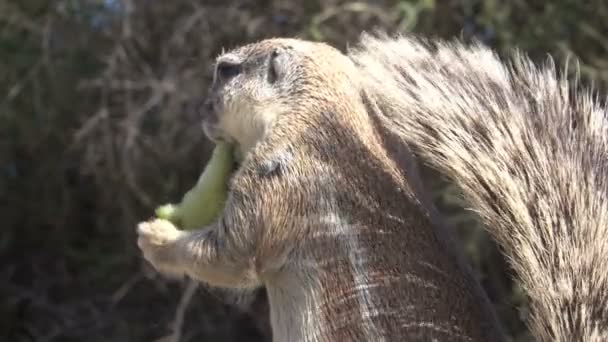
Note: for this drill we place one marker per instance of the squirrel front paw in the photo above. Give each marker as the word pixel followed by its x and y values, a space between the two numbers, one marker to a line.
pixel 157 241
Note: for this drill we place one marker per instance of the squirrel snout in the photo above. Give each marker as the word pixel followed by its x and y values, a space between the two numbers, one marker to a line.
pixel 207 109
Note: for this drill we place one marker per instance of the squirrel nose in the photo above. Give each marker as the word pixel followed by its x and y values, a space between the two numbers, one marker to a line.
pixel 226 70
pixel 206 108
pixel 208 105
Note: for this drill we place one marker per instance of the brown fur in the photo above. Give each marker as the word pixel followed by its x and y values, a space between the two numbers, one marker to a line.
pixel 325 210
pixel 529 151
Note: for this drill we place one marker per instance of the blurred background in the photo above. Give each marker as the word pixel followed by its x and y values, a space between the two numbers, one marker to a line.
pixel 97 127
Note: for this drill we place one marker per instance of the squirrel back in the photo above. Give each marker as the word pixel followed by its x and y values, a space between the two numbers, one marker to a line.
pixel 528 150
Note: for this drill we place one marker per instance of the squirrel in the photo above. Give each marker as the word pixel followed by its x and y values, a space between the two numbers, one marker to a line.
pixel 528 149
pixel 326 210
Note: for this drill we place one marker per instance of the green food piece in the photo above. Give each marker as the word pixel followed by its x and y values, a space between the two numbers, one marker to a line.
pixel 204 202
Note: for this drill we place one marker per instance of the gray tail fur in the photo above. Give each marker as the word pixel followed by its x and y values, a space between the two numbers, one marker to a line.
pixel 529 153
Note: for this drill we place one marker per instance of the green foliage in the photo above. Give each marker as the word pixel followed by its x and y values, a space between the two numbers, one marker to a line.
pixel 96 128
pixel 201 205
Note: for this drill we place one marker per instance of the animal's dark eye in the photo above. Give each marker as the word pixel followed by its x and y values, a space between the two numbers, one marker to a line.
pixel 227 70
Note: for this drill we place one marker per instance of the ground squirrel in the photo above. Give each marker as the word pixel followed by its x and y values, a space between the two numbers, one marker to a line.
pixel 325 211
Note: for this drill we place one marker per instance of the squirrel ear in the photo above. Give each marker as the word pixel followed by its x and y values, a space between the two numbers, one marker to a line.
pixel 278 64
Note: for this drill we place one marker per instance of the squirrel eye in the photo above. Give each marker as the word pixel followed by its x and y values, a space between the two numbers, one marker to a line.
pixel 227 70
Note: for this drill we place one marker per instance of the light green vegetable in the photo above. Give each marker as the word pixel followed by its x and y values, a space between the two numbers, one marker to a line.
pixel 204 202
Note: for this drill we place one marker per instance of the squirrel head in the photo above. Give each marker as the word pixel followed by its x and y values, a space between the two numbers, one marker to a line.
pixel 256 84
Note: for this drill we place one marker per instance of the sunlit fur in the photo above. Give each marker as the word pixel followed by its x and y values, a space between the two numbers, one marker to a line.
pixel 326 211
pixel 528 149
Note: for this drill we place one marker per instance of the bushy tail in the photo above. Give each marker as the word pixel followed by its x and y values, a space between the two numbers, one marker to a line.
pixel 530 154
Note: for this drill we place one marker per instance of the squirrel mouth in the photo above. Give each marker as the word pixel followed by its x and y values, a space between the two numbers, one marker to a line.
pixel 210 114
pixel 209 118
pixel 212 132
